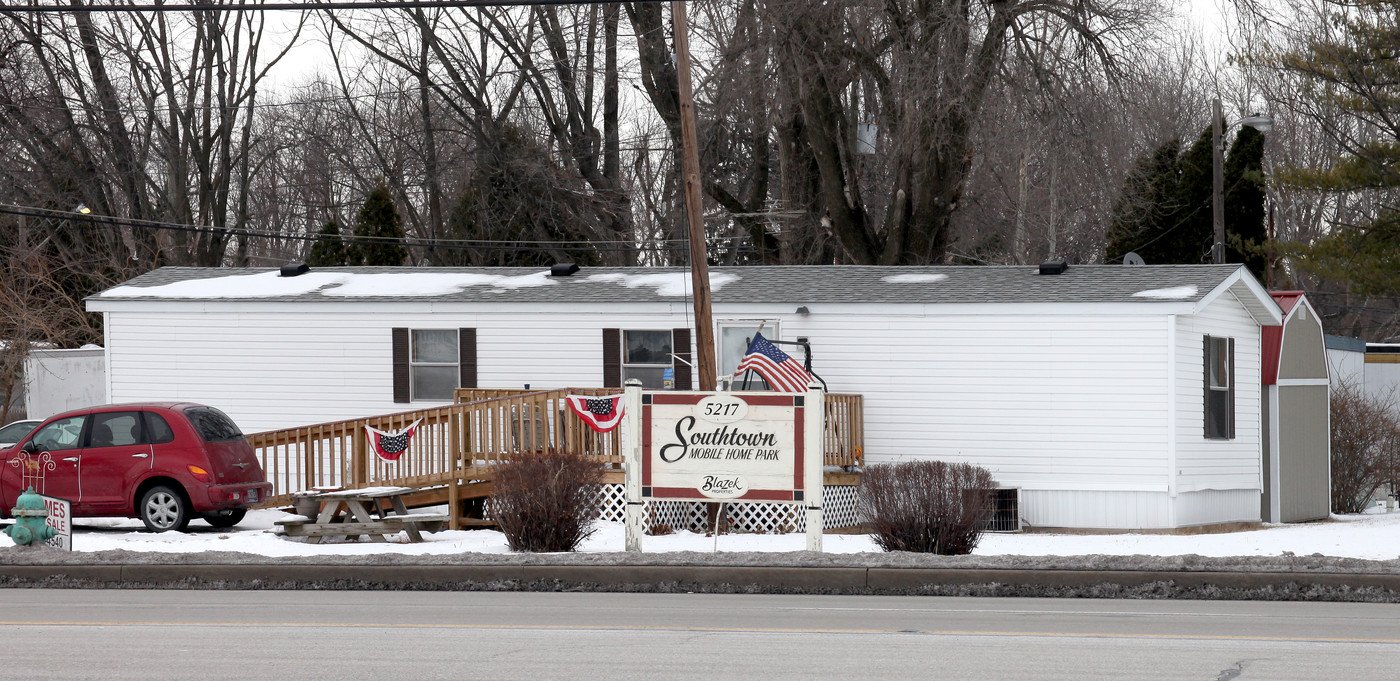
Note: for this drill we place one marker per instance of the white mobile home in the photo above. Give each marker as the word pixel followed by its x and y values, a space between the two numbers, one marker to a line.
pixel 1110 396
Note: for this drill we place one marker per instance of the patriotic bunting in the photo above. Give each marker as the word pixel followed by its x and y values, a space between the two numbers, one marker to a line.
pixel 390 446
pixel 600 413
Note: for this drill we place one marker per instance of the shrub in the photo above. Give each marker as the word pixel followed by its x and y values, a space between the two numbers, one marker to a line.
pixel 926 506
pixel 547 502
pixel 1365 446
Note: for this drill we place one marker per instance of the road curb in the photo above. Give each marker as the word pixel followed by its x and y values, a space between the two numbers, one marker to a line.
pixel 852 580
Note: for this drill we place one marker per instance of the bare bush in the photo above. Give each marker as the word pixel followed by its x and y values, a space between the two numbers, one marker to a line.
pixel 926 506
pixel 1365 446
pixel 547 502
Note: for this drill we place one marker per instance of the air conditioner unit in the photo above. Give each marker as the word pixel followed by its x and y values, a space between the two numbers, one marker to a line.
pixel 1006 510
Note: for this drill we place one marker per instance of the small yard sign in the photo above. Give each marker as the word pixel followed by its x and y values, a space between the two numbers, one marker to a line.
pixel 724 446
pixel 61 520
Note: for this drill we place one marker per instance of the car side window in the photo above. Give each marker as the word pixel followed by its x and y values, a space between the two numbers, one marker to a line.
pixel 157 429
pixel 61 434
pixel 115 429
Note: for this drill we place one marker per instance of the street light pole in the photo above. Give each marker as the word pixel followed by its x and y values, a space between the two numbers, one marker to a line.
pixel 1217 186
pixel 1261 122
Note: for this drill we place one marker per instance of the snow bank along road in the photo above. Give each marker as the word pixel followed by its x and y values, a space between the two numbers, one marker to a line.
pixel 1349 558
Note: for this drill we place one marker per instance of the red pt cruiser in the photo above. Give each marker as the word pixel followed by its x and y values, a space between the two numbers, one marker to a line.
pixel 162 462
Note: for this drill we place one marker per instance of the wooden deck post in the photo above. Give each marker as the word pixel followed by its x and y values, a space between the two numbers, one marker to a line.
pixel 359 461
pixel 454 505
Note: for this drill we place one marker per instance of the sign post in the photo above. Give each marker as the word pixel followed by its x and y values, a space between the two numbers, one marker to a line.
pixel 631 449
pixel 733 447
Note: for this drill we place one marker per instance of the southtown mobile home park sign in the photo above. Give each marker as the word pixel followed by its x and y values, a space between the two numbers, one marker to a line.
pixel 735 447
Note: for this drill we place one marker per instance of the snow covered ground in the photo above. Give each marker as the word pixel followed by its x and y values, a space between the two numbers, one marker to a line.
pixel 1373 537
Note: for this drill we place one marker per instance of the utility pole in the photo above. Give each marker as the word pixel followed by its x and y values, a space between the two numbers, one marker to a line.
pixel 1217 186
pixel 690 164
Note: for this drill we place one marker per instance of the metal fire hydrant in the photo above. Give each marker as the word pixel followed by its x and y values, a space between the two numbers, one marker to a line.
pixel 30 514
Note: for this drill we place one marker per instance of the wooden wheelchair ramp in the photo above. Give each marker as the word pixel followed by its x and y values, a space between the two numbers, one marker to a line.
pixel 452 457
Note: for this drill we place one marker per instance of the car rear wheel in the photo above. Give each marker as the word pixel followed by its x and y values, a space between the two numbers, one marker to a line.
pixel 229 519
pixel 164 509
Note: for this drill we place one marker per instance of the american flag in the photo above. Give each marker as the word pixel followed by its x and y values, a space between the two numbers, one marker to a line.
pixel 781 371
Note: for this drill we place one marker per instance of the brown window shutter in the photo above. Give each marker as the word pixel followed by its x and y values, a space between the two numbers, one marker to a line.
pixel 612 358
pixel 1230 408
pixel 400 354
pixel 680 357
pixel 1205 383
pixel 466 358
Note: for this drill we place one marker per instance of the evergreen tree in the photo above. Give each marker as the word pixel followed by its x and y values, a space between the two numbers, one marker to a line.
pixel 1351 71
pixel 378 232
pixel 1193 225
pixel 1140 215
pixel 1165 211
pixel 1245 232
pixel 522 195
pixel 329 248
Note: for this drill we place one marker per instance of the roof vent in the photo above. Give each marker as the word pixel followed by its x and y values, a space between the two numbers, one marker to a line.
pixel 562 269
pixel 1054 267
pixel 295 269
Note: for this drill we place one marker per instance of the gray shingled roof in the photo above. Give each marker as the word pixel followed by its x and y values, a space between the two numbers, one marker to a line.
pixel 801 284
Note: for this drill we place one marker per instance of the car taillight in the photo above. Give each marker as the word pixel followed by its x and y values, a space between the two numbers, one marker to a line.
pixel 199 473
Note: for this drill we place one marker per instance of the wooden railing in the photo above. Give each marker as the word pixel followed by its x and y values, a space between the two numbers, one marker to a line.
pixel 845 430
pixel 462 441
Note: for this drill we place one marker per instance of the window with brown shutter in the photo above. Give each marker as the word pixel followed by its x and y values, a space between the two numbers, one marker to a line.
pixel 646 355
pixel 429 364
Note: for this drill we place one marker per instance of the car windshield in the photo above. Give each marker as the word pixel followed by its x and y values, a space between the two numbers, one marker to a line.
pixel 213 425
pixel 16 431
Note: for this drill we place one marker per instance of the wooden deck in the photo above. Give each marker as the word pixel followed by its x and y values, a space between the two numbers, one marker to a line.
pixel 453 455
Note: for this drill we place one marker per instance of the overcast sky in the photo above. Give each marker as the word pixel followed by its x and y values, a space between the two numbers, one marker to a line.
pixel 310 53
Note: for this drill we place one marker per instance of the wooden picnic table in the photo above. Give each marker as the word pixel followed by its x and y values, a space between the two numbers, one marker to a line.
pixel 375 512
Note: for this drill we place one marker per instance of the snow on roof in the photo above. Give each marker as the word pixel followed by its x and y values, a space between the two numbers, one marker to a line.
pixel 665 284
pixel 1172 293
pixel 788 284
pixel 335 284
pixel 914 278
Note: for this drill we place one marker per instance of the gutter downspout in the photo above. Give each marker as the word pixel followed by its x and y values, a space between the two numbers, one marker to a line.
pixel 107 356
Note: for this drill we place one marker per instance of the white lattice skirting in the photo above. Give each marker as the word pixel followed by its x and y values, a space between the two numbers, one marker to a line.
pixel 839 510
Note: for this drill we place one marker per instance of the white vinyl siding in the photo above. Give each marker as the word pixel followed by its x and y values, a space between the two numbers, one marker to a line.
pixel 1043 401
pixel 1204 464
pixel 271 368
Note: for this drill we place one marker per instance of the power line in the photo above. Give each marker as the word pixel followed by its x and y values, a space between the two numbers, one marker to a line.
pixel 301 6
pixel 407 242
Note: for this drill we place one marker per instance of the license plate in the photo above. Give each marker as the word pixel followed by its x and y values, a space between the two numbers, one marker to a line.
pixel 253 494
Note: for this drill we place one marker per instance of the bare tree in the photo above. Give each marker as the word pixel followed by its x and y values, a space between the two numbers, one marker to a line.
pixel 929 66
pixel 1365 447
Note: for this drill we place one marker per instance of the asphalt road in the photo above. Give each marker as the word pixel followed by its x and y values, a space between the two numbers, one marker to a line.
pixel 116 635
